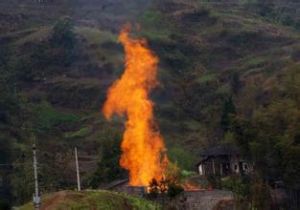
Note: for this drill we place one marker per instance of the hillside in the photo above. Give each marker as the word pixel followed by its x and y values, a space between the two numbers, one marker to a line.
pixel 229 73
pixel 95 200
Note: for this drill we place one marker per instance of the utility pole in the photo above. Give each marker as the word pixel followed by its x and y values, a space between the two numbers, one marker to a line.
pixel 77 170
pixel 36 197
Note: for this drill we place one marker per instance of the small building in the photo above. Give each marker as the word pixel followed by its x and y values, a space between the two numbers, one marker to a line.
pixel 223 160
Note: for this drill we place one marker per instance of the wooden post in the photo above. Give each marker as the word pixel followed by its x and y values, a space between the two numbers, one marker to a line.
pixel 221 169
pixel 213 167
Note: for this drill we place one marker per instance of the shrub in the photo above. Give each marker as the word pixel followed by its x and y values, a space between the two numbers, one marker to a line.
pixel 174 190
pixel 238 185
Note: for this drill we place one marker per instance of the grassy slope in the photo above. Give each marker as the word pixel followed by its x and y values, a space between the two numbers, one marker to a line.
pixel 200 47
pixel 209 43
pixel 208 46
pixel 92 200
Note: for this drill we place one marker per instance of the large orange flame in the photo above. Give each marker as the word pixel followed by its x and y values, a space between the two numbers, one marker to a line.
pixel 142 145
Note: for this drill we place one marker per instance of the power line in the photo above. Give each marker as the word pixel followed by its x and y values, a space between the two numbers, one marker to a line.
pixel 21 164
pixel 236 2
pixel 33 5
pixel 247 2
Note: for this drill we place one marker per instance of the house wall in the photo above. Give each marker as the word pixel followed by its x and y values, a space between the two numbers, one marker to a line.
pixel 200 169
pixel 224 165
pixel 212 166
pixel 234 164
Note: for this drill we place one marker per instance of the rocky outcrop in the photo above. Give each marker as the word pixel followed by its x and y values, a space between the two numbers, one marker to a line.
pixel 204 200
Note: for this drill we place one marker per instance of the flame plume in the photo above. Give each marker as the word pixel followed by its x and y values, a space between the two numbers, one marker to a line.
pixel 143 149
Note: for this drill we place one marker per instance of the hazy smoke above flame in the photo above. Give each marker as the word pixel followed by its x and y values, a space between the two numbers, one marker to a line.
pixel 143 149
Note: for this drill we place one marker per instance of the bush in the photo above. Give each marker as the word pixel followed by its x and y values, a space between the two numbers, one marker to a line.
pixel 184 159
pixel 238 185
pixel 108 168
pixel 214 181
pixel 63 41
pixel 47 117
pixel 4 205
pixel 174 190
pixel 63 35
pixel 260 195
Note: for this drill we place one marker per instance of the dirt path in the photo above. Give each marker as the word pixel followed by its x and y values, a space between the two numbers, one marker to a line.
pixel 54 201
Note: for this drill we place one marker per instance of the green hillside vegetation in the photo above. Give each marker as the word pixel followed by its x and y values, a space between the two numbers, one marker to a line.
pixel 95 200
pixel 229 73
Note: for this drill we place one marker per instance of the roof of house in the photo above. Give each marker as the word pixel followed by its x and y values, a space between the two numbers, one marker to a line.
pixel 224 149
pixel 221 150
pixel 114 184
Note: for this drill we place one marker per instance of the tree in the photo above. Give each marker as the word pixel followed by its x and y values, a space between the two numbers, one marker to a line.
pixel 63 35
pixel 271 135
pixel 63 41
pixel 5 170
pixel 228 112
pixel 108 167
pixel 235 83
